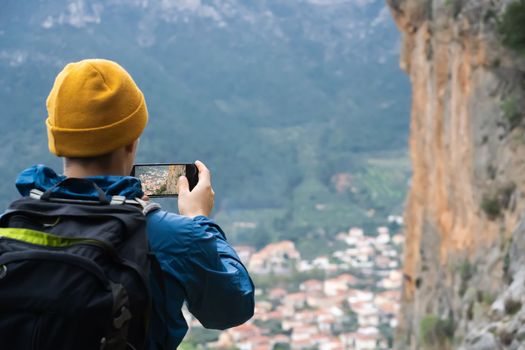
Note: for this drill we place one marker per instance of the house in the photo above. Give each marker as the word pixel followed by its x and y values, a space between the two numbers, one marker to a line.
pixel 289 324
pixel 325 322
pixel 356 232
pixel 367 314
pixel 305 344
pixel 383 230
pixel 277 293
pixel 395 219
pixel 383 238
pixel 394 322
pixel 382 262
pixel 347 340
pixel 287 310
pixel 389 296
pixel 263 306
pixel 304 266
pixel 244 252
pixel 279 258
pixel 244 331
pixel 321 262
pixel 320 340
pixel 303 332
pixel 355 296
pixel 363 339
pixel 341 283
pixel 295 300
pixel 336 311
pixel 333 343
pixel 388 305
pixel 354 236
pixel 365 342
pixel 237 336
pixel 398 239
pixel 316 300
pixel 311 286
pixel 273 315
pixel 279 339
pixel 393 281
pixel 255 343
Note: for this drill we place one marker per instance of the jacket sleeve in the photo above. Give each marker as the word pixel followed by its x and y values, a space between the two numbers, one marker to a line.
pixel 217 286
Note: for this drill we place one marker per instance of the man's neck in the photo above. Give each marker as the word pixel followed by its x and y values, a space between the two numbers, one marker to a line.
pixel 87 171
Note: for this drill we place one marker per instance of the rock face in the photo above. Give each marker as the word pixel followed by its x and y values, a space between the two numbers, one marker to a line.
pixel 174 172
pixel 464 268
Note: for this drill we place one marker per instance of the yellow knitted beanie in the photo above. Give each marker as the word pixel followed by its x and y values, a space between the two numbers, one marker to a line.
pixel 94 108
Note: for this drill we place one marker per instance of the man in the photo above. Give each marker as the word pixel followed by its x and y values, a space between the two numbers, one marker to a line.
pixel 96 114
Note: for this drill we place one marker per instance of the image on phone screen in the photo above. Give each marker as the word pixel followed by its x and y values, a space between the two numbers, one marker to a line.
pixel 161 180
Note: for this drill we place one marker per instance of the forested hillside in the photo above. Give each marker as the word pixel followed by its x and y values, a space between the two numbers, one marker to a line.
pixel 298 107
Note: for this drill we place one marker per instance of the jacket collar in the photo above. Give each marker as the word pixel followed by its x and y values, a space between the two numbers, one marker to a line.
pixel 43 178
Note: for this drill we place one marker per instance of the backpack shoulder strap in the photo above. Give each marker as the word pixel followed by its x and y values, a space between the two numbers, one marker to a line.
pixel 147 207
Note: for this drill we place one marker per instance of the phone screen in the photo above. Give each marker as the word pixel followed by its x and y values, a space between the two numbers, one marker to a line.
pixel 161 180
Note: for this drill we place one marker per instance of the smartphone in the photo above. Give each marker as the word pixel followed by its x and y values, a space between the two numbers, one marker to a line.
pixel 161 180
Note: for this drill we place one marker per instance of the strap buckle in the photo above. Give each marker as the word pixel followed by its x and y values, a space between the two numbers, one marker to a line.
pixel 117 200
pixel 35 194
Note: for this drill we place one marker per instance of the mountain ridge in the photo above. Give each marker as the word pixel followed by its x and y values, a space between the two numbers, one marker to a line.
pixel 252 98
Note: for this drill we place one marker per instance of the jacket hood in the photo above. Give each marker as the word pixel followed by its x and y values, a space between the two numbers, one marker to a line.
pixel 43 178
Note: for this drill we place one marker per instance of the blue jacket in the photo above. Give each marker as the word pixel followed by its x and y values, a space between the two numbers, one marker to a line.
pixel 199 265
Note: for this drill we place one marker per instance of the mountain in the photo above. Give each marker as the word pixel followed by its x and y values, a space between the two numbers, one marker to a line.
pixel 298 107
pixel 464 272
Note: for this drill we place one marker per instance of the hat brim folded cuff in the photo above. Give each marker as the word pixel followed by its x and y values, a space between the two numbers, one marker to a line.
pixel 83 143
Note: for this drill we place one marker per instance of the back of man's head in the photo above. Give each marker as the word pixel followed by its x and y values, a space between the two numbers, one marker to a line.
pixel 94 108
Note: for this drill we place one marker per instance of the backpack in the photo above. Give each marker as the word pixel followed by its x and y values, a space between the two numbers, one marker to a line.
pixel 74 272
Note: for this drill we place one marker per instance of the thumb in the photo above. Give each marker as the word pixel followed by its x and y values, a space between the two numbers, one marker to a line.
pixel 183 185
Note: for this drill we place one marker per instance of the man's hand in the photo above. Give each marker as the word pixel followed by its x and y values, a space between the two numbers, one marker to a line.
pixel 200 200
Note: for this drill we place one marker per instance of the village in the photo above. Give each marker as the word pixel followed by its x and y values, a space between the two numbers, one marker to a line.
pixel 345 301
pixel 153 179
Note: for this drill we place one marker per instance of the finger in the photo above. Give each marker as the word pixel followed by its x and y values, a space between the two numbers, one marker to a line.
pixel 204 173
pixel 201 167
pixel 183 185
pixel 145 198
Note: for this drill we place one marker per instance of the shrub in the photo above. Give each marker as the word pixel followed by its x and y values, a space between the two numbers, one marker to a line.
pixel 506 265
pixel 491 206
pixel 454 6
pixel 511 26
pixel 466 271
pixel 505 194
pixel 488 298
pixel 281 346
pixel 511 111
pixel 489 14
pixel 512 306
pixel 436 331
pixel 494 204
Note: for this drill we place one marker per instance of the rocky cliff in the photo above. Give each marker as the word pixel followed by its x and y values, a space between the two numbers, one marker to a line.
pixel 174 172
pixel 464 265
